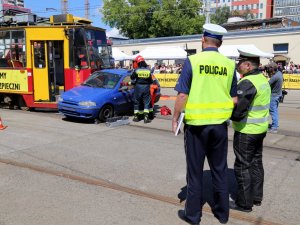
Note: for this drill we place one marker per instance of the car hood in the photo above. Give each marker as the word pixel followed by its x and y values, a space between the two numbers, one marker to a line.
pixel 85 93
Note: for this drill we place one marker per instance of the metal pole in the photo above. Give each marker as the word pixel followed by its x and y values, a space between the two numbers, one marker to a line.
pixel 207 11
pixel 87 9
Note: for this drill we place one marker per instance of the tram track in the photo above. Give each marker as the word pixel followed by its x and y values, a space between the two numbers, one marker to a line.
pixel 120 188
pixel 283 133
pixel 273 147
pixel 55 114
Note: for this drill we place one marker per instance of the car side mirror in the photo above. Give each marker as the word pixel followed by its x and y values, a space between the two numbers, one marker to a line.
pixel 123 88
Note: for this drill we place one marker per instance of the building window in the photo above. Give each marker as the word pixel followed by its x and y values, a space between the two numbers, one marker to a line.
pixel 281 48
pixel 260 15
pixel 261 5
pixel 257 5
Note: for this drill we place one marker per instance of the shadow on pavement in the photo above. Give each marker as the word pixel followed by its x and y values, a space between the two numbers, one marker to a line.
pixel 208 188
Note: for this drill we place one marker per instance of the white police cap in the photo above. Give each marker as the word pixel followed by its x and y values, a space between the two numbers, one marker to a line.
pixel 252 51
pixel 214 31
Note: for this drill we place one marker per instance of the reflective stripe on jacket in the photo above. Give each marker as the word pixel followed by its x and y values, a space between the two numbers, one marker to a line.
pixel 209 100
pixel 143 76
pixel 256 122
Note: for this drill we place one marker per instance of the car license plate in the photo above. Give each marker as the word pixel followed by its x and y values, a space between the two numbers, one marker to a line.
pixel 69 109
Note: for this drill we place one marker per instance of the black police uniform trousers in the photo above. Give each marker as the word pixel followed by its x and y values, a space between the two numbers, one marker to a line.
pixel 210 141
pixel 142 97
pixel 248 168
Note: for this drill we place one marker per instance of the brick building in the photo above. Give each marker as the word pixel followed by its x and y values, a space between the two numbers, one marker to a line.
pixel 261 9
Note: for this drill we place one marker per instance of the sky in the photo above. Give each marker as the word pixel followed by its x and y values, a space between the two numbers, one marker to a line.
pixel 46 8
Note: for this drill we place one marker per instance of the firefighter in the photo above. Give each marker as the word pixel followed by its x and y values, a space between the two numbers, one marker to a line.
pixel 142 78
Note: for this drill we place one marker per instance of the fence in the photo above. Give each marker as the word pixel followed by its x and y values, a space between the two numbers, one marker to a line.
pixel 291 81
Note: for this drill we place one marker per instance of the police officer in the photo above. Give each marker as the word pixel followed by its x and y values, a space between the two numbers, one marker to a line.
pixel 250 122
pixel 206 92
pixel 142 78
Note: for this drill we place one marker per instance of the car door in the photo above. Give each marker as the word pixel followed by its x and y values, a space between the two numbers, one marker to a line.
pixel 124 98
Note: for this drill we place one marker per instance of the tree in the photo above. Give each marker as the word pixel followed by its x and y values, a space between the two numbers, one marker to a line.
pixel 247 14
pixel 153 18
pixel 221 15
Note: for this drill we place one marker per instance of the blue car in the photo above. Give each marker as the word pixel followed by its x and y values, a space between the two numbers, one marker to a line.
pixel 104 94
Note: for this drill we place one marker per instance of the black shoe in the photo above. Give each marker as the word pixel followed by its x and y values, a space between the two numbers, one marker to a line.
pixel 151 115
pixel 257 203
pixel 181 215
pixel 136 118
pixel 234 206
pixel 221 220
pixel 146 119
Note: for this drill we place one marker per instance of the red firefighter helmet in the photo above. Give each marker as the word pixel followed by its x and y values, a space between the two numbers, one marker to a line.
pixel 139 59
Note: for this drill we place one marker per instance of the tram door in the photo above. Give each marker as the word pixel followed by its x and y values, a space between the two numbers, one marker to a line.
pixel 55 68
pixel 48 69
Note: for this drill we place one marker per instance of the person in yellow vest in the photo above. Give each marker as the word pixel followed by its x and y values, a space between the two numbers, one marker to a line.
pixel 207 93
pixel 250 123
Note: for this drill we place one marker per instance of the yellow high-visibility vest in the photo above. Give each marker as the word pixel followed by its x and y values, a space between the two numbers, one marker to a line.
pixel 256 122
pixel 209 100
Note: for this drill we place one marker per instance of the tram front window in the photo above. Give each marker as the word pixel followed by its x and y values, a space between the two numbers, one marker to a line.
pixel 97 47
pixel 12 48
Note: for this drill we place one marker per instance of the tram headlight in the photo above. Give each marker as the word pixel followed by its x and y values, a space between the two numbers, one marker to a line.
pixel 60 99
pixel 87 103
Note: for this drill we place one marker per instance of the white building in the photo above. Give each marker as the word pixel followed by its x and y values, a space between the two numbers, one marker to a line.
pixel 283 42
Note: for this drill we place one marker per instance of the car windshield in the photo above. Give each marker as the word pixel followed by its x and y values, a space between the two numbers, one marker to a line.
pixel 102 80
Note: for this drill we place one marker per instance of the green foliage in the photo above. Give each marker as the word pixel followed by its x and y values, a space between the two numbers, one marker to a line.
pixel 221 15
pixel 153 18
pixel 247 14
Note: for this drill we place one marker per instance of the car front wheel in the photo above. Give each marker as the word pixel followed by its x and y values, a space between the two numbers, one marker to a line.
pixel 106 112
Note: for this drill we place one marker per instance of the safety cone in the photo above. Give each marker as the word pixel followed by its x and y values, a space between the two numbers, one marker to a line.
pixel 2 127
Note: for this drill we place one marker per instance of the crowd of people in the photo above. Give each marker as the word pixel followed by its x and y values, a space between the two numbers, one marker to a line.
pixel 162 68
pixel 288 69
pixel 292 68
pixel 157 68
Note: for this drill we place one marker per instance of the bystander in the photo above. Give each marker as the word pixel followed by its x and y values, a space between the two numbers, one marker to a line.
pixel 275 82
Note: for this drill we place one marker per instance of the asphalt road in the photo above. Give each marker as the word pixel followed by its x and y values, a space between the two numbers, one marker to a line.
pixel 54 171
